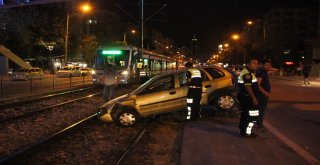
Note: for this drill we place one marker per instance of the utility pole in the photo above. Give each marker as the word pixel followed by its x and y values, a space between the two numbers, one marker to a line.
pixel 66 40
pixel 142 25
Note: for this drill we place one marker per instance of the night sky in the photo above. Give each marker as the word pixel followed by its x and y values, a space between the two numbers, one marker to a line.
pixel 212 21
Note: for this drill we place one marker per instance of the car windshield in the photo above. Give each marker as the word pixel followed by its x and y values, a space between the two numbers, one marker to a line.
pixel 141 87
pixel 119 59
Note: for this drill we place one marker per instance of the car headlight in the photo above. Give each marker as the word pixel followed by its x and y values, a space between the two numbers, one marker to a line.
pixel 93 72
pixel 125 72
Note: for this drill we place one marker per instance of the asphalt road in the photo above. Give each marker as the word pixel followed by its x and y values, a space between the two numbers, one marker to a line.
pixel 294 110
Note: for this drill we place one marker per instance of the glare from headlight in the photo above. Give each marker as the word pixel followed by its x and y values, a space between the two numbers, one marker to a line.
pixel 93 72
pixel 125 72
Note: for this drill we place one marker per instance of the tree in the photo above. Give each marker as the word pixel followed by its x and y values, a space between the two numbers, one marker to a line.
pixel 88 47
pixel 23 28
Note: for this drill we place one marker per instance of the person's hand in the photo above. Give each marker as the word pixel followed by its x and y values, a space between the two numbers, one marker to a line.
pixel 255 102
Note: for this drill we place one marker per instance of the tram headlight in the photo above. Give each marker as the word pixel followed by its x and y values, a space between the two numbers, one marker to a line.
pixel 125 72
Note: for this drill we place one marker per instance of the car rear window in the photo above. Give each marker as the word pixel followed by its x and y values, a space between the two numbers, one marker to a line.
pixel 215 73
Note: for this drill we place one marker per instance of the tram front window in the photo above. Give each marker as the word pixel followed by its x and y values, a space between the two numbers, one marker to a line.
pixel 119 59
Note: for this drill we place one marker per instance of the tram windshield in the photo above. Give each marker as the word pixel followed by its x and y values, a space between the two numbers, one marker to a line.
pixel 118 58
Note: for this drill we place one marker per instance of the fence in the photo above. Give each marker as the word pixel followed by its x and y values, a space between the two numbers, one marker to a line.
pixel 10 87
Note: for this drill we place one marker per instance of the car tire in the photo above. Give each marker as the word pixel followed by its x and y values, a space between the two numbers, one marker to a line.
pixel 225 102
pixel 127 117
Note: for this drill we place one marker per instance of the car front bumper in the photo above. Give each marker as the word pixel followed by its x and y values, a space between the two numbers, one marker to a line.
pixel 105 113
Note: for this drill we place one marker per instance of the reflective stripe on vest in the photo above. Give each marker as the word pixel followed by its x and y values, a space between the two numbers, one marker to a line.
pixel 244 72
pixel 195 73
pixel 253 112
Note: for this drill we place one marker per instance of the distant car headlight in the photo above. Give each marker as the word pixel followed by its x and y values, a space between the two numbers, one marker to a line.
pixel 93 72
pixel 125 72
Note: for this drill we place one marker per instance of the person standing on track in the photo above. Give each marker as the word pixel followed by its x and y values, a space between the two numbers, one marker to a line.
pixel 265 89
pixel 194 83
pixel 248 98
pixel 110 82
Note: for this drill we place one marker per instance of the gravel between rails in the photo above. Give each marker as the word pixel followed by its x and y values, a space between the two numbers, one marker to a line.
pixel 101 143
pixel 15 136
pixel 94 144
pixel 22 109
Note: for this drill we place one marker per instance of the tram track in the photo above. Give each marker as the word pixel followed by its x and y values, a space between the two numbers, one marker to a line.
pixel 42 110
pixel 23 154
pixel 29 128
pixel 15 103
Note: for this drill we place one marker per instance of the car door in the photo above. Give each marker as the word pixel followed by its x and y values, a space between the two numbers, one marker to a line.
pixel 207 85
pixel 32 74
pixel 183 88
pixel 159 97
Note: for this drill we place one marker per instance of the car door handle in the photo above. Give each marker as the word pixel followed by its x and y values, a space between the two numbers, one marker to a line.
pixel 172 93
pixel 207 86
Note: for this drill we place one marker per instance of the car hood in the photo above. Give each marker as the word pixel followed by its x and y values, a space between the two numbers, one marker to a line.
pixel 117 100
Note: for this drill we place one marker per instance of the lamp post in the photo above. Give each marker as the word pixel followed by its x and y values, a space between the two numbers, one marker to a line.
pixel 85 8
pixel 236 37
pixel 125 36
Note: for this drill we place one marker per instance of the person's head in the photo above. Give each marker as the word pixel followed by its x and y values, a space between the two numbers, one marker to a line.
pixel 253 64
pixel 266 64
pixel 188 65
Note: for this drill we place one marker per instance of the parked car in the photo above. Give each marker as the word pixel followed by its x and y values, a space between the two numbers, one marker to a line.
pixel 69 71
pixel 167 92
pixel 86 71
pixel 27 74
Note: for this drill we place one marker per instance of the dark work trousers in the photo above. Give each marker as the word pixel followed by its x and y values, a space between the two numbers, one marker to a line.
pixel 246 121
pixel 263 102
pixel 193 103
pixel 108 92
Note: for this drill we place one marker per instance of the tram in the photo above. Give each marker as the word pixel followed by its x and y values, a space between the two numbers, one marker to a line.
pixel 129 65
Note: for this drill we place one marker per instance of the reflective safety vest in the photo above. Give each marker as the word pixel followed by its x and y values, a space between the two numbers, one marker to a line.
pixel 244 74
pixel 195 76
pixel 247 77
pixel 195 73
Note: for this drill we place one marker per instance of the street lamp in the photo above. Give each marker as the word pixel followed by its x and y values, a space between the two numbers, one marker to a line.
pixel 125 36
pixel 250 23
pixel 235 37
pixel 85 8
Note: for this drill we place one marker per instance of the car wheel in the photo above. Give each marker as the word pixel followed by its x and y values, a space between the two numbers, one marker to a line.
pixel 225 102
pixel 127 118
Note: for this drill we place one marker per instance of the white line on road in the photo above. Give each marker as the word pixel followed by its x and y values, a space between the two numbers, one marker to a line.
pixel 295 147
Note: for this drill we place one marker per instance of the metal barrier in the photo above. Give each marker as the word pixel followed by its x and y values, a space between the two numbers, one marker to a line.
pixel 9 87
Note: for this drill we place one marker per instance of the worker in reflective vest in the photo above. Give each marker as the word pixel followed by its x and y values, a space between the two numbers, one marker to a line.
pixel 194 83
pixel 249 91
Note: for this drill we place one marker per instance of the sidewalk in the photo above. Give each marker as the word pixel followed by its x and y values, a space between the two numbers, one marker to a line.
pixel 296 79
pixel 216 140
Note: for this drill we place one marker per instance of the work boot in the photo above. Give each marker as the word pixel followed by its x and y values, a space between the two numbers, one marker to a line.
pixel 252 135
